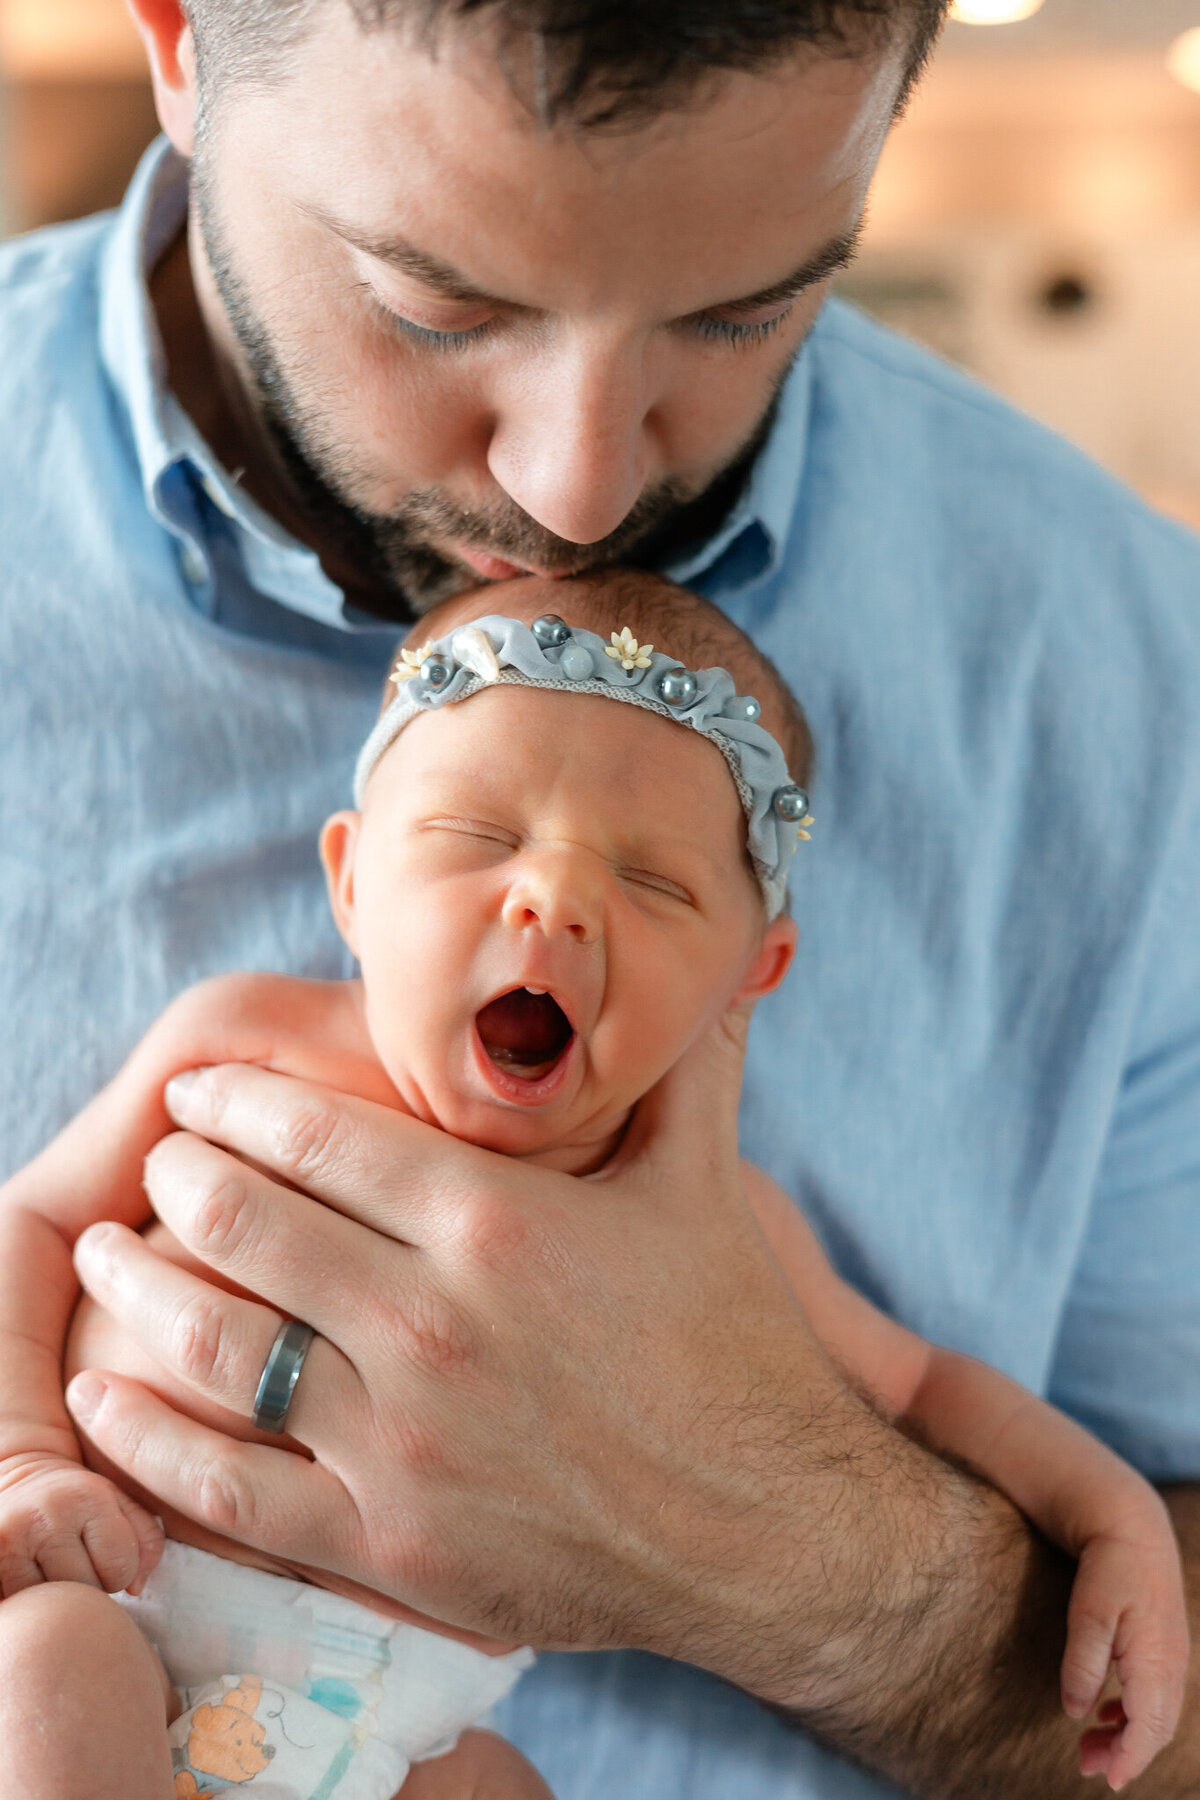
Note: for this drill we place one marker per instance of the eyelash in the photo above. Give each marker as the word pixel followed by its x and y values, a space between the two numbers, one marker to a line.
pixel 731 332
pixel 728 331
pixel 437 340
pixel 652 885
pixel 638 877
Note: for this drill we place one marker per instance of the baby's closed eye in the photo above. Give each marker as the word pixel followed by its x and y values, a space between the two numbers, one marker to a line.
pixel 474 828
pixel 647 880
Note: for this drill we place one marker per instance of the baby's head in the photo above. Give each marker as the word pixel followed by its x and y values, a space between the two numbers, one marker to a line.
pixel 551 894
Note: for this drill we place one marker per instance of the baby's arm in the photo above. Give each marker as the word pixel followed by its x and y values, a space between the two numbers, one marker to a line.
pixel 58 1520
pixel 1127 1606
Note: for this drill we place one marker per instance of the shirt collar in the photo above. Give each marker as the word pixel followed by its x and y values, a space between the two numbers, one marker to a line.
pixel 750 544
pixel 174 458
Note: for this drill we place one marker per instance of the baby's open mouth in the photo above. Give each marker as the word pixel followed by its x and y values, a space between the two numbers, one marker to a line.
pixel 524 1033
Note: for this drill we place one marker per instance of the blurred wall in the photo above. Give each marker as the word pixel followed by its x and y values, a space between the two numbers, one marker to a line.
pixel 77 111
pixel 1037 218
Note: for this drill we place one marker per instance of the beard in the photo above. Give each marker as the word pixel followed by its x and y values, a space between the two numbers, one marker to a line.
pixel 400 573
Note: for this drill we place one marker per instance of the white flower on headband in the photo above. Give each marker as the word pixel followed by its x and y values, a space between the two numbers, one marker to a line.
pixel 409 666
pixel 626 650
pixel 474 650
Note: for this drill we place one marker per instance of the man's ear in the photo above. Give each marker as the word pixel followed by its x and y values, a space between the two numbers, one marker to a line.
pixel 772 961
pixel 172 52
pixel 339 836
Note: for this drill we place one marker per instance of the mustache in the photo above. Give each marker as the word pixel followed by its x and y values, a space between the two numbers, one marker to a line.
pixel 507 532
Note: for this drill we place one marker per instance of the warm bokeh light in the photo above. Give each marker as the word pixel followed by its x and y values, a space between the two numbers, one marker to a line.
pixel 68 39
pixel 993 12
pixel 1183 58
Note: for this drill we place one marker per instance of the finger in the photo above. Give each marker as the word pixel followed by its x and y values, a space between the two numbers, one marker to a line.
pixel 372 1163
pixel 150 1539
pixel 1151 1713
pixel 1096 1750
pixel 1134 1749
pixel 214 1341
pixel 264 1498
pixel 112 1548
pixel 65 1557
pixel 1085 1661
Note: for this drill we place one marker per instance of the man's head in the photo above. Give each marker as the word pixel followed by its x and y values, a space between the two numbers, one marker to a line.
pixel 549 892
pixel 515 284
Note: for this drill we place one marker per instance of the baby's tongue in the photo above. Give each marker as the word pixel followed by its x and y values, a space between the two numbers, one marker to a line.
pixel 524 1032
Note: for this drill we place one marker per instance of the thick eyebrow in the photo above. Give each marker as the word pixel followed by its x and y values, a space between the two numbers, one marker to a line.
pixel 398 253
pixel 837 254
pixel 452 284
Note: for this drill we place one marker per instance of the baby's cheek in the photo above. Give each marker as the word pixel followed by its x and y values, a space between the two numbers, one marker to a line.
pixel 650 1031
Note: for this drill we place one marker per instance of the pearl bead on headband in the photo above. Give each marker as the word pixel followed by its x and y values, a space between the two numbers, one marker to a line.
pixel 496 651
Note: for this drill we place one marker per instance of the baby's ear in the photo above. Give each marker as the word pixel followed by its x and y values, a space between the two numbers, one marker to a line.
pixel 339 836
pixel 772 960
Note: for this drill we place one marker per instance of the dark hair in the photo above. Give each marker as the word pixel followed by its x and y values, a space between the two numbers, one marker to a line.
pixel 593 63
pixel 657 611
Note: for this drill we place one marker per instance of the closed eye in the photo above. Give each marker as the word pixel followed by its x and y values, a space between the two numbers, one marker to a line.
pixel 656 884
pixel 473 828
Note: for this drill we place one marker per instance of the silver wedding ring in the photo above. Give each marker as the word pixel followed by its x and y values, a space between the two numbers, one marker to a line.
pixel 281 1372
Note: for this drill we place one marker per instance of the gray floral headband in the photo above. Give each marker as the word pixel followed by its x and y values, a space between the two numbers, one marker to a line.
pixel 550 654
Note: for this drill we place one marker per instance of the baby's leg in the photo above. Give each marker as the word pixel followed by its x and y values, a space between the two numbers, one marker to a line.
pixel 481 1766
pixel 85 1698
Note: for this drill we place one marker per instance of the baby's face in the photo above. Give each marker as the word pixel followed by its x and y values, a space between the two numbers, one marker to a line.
pixel 549 897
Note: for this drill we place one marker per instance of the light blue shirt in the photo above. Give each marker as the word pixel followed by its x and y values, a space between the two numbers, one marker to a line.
pixel 981 1079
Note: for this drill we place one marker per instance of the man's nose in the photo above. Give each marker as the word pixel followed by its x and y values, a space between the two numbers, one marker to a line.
pixel 556 891
pixel 573 446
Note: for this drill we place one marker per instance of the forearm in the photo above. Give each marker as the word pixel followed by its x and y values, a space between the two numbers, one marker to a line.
pixel 955 1696
pixel 1070 1484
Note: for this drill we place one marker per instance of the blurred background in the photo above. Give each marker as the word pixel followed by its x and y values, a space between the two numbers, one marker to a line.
pixel 1036 217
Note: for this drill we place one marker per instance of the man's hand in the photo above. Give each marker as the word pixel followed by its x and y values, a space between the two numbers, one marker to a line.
pixel 570 1412
pixel 61 1522
pixel 577 1413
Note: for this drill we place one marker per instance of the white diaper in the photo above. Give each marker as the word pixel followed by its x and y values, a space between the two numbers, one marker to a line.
pixel 296 1694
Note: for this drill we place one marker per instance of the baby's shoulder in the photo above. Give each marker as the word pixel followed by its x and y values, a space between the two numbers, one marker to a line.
pixel 783 1224
pixel 313 1030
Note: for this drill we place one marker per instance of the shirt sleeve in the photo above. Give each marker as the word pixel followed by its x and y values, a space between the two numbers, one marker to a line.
pixel 1127 1363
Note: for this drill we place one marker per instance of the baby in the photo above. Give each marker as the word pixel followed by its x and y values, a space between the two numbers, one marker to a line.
pixel 542 933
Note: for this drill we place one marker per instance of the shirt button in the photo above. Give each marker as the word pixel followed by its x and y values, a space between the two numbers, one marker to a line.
pixel 194 564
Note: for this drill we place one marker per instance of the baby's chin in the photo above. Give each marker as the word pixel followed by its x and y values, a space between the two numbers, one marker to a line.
pixel 571 1148
pixel 574 1136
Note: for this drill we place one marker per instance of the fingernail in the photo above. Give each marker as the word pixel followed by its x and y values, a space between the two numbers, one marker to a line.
pixel 91 1239
pixel 178 1091
pixel 85 1396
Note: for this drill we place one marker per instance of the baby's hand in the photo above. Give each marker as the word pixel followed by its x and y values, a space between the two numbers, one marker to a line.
pixel 62 1522
pixel 1127 1611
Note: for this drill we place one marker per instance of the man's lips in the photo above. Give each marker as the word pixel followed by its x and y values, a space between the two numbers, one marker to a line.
pixel 497 568
pixel 492 568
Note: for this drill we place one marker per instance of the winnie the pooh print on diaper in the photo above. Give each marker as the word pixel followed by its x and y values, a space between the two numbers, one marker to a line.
pixel 224 1740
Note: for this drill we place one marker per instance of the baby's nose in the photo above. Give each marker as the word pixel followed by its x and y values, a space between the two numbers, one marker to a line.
pixel 556 891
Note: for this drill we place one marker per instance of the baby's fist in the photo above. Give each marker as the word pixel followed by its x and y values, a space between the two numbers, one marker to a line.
pixel 61 1522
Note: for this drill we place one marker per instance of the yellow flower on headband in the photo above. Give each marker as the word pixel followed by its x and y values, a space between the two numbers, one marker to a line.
pixel 411 663
pixel 626 650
